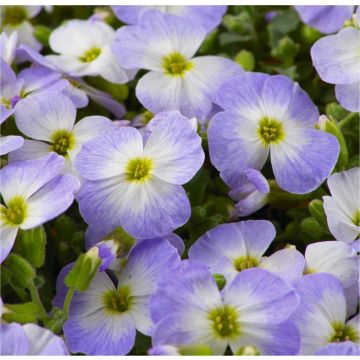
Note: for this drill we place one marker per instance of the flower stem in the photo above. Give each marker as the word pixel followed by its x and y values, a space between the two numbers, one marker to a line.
pixel 36 299
pixel 348 119
pixel 67 302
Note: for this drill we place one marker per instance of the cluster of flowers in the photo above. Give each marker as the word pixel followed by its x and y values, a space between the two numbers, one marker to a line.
pixel 128 180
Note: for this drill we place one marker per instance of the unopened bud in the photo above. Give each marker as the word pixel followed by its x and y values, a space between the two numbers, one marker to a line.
pixel 246 59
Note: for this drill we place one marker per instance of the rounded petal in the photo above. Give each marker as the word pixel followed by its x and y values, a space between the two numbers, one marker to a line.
pixel 261 298
pixel 43 341
pixel 13 340
pixel 287 263
pixel 175 149
pixel 145 45
pixel 346 348
pixel 348 96
pixel 10 143
pixel 234 146
pixel 304 160
pixel 327 19
pixel 39 116
pixel 322 303
pixel 333 257
pixel 51 200
pixel 32 149
pixel 107 155
pixel 26 177
pixel 336 57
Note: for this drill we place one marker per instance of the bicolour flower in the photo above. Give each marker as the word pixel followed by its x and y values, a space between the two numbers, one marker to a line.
pixel 327 19
pixel 231 248
pixel 270 114
pixel 137 184
pixel 166 44
pixel 188 308
pixel 49 118
pixel 250 191
pixel 34 192
pixel 89 52
pixel 16 18
pixel 346 348
pixel 30 339
pixel 321 314
pixel 209 17
pixel 78 91
pixel 336 59
pixel 14 88
pixel 8 44
pixel 103 320
pixel 333 257
pixel 342 208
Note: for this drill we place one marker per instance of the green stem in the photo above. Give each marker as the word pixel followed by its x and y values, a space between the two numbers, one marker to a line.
pixel 36 299
pixel 348 119
pixel 67 302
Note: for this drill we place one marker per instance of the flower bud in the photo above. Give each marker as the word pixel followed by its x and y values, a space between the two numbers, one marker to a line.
pixel 220 280
pixel 20 269
pixel 21 313
pixel 195 350
pixel 316 208
pixel 42 34
pixel 286 50
pixel 248 351
pixel 246 59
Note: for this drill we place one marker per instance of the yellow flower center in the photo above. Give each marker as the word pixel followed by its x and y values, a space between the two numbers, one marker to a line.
pixel 356 218
pixel 62 142
pixel 224 321
pixel 90 55
pixel 14 15
pixel 15 212
pixel 245 262
pixel 139 169
pixel 117 301
pixel 344 333
pixel 270 131
pixel 176 64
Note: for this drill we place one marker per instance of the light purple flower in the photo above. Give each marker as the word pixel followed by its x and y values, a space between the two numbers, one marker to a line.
pixel 30 339
pixel 78 91
pixel 49 118
pixel 346 348
pixel 89 52
pixel 342 208
pixel 34 192
pixel 336 59
pixel 16 18
pixel 137 185
pixel 250 191
pixel 321 315
pixel 189 309
pixel 209 17
pixel 166 44
pixel 270 114
pixel 9 143
pixel 103 320
pixel 231 248
pixel 8 44
pixel 327 19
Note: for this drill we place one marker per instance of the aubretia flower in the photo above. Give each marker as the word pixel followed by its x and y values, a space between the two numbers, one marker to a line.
pixel 166 44
pixel 188 308
pixel 137 185
pixel 88 52
pixel 327 19
pixel 30 339
pixel 103 320
pixel 333 257
pixel 270 114
pixel 342 208
pixel 321 315
pixel 250 191
pixel 229 249
pixel 336 58
pixel 34 192
pixel 50 119
pixel 16 18
pixel 209 17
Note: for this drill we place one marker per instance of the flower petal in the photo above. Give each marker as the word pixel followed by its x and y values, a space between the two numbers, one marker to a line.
pixel 7 235
pixel 348 96
pixel 32 149
pixel 10 143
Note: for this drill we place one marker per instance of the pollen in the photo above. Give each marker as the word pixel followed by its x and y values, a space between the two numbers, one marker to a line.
pixel 245 262
pixel 343 332
pixel 356 218
pixel 224 321
pixel 14 15
pixel 15 212
pixel 117 301
pixel 176 64
pixel 270 131
pixel 139 169
pixel 90 55
pixel 62 142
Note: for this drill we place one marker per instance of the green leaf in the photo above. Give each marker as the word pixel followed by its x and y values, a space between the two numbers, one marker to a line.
pixel 21 313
